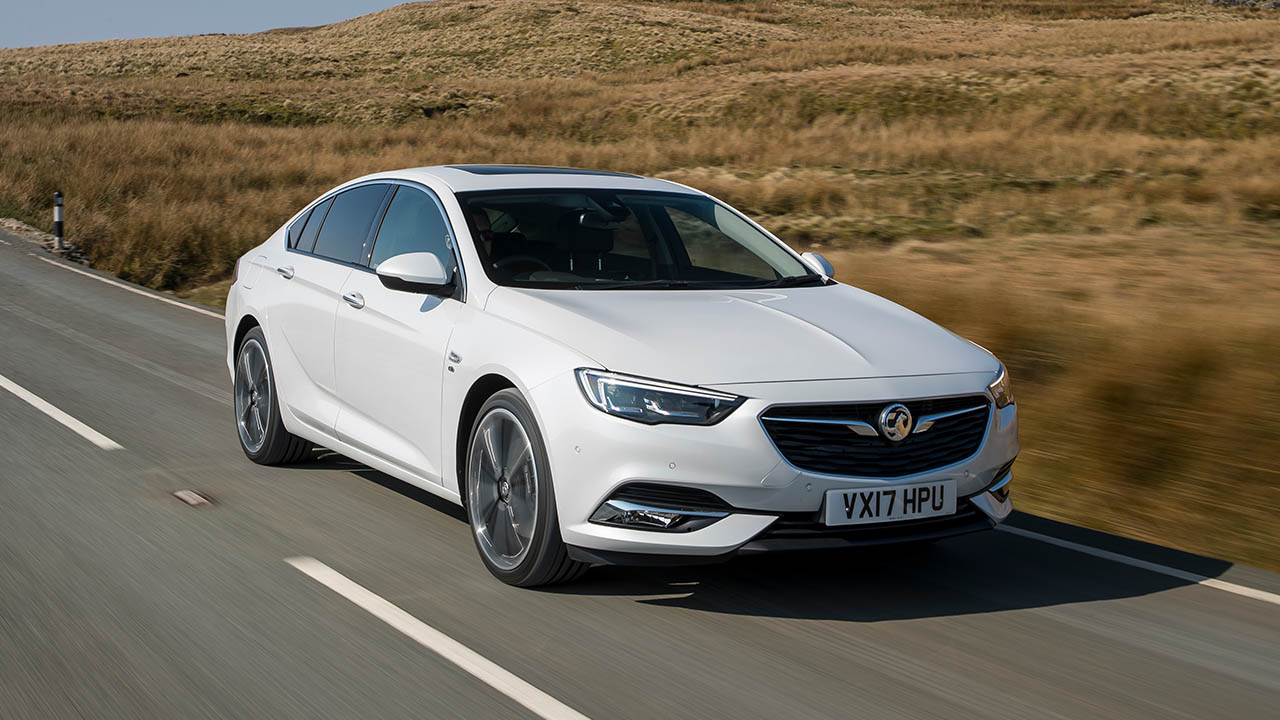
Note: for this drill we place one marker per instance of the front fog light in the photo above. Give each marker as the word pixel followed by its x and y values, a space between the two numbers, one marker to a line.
pixel 621 513
pixel 1001 489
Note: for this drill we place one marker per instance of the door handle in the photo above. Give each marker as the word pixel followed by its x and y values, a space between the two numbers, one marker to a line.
pixel 286 272
pixel 355 300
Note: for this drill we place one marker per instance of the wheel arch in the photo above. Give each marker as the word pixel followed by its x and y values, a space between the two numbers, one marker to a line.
pixel 482 389
pixel 247 323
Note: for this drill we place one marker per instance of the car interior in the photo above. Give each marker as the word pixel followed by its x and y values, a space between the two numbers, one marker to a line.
pixel 577 237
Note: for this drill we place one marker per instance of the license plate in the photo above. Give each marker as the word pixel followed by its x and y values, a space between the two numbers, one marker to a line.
pixel 857 506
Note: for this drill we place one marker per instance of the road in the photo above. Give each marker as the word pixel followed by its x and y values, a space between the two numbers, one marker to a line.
pixel 118 600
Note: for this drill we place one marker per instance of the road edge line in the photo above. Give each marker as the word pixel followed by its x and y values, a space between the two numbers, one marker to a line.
pixel 1190 577
pixel 130 288
pixel 480 667
pixel 61 417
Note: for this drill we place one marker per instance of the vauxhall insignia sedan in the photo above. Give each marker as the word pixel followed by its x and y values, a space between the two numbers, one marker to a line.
pixel 603 368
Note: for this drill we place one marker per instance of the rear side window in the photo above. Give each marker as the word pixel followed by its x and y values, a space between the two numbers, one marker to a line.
pixel 344 232
pixel 414 223
pixel 307 238
pixel 295 230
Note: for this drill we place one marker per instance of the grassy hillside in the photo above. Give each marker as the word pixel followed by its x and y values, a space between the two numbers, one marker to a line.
pixel 1089 188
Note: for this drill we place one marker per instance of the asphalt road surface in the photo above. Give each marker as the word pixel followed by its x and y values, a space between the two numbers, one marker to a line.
pixel 118 600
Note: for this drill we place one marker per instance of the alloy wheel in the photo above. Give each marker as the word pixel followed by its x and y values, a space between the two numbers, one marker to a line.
pixel 252 395
pixel 502 489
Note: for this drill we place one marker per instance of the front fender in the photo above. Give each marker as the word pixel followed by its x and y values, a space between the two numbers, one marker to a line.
pixel 489 345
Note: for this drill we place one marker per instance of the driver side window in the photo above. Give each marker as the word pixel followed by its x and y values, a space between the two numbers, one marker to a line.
pixel 414 222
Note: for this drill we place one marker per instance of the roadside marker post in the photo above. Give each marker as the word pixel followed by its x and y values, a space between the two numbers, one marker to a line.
pixel 58 244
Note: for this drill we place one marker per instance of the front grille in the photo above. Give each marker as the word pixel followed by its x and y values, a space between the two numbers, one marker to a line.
pixel 834 449
pixel 794 529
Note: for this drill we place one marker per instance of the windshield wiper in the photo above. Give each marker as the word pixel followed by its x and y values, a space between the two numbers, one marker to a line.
pixel 795 281
pixel 670 284
pixel 660 284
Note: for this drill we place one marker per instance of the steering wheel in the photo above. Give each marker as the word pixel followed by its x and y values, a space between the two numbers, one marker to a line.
pixel 513 259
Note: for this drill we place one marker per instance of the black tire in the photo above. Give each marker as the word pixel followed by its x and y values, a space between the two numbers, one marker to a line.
pixel 546 560
pixel 256 404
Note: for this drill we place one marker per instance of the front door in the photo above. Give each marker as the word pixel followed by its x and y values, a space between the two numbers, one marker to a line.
pixel 391 345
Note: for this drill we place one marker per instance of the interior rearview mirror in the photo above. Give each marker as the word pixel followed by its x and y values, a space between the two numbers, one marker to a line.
pixel 418 272
pixel 596 220
pixel 819 264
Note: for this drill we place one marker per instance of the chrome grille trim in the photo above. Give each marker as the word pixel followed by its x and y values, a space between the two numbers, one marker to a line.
pixel 824 438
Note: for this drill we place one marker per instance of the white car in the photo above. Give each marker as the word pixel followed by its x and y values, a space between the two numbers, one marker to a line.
pixel 606 368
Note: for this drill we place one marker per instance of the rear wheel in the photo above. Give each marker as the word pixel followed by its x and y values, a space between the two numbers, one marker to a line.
pixel 263 436
pixel 509 497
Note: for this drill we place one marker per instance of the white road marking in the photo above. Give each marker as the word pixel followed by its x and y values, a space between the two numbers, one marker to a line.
pixel 1248 592
pixel 130 288
pixel 67 421
pixel 464 657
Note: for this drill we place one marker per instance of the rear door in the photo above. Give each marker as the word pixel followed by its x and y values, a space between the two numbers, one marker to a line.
pixel 332 242
pixel 391 345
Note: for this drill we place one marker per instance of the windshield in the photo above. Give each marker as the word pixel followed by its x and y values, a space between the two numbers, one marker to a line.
pixel 623 240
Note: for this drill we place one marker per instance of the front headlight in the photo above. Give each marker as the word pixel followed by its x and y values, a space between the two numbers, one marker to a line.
pixel 652 402
pixel 1000 390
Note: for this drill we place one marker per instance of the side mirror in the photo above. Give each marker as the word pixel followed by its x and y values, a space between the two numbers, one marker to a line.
pixel 419 272
pixel 820 265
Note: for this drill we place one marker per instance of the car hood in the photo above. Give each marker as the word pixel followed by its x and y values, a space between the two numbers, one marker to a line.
pixel 716 337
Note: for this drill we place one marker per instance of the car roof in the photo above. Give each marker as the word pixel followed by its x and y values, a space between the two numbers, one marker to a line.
pixel 466 178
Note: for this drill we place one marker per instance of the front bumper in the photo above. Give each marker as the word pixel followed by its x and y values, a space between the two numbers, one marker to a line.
pixel 774 505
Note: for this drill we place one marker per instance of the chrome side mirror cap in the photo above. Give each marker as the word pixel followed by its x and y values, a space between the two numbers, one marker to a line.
pixel 820 265
pixel 418 272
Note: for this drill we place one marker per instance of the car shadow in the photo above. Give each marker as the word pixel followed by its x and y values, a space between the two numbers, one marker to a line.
pixel 985 572
pixel 981 573
pixel 325 459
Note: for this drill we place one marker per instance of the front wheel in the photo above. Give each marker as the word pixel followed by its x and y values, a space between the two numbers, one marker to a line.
pixel 263 436
pixel 509 497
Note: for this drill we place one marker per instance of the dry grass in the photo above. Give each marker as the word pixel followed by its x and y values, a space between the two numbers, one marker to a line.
pixel 1091 188
pixel 1130 354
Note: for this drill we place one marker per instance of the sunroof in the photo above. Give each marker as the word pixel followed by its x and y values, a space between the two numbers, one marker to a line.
pixel 533 170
